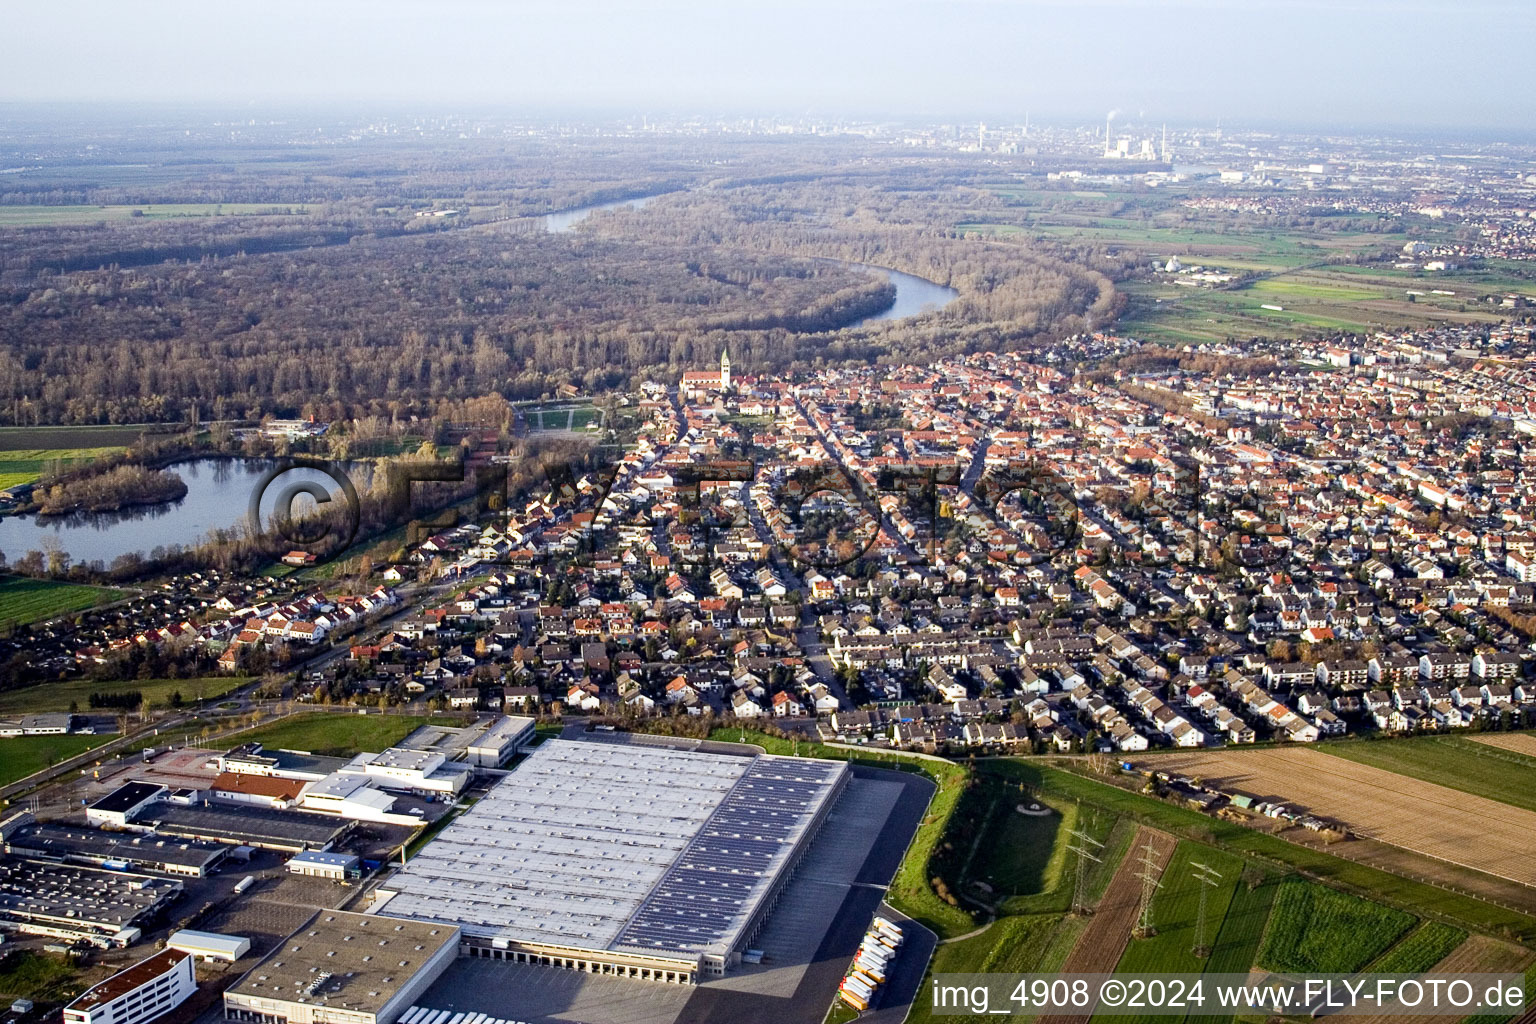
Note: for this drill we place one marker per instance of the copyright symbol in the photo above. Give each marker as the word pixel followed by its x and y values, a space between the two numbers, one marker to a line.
pixel 331 529
pixel 1112 992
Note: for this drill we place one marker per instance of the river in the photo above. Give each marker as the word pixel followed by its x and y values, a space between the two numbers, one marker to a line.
pixel 219 490
pixel 914 294
pixel 218 497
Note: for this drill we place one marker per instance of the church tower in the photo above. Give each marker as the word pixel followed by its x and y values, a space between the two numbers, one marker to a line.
pixel 725 369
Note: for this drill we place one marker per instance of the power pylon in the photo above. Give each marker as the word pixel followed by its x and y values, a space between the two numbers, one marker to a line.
pixel 1084 855
pixel 1207 878
pixel 1149 873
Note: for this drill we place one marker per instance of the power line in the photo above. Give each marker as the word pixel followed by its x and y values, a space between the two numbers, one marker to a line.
pixel 1150 871
pixel 1207 878
pixel 1084 855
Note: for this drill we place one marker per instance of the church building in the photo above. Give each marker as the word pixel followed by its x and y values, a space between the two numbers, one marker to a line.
pixel 700 382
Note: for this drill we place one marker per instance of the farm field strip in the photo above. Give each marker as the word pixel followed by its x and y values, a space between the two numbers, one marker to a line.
pixel 1102 943
pixel 1237 943
pixel 1315 929
pixel 1519 742
pixel 1478 954
pixel 1447 824
pixel 1453 762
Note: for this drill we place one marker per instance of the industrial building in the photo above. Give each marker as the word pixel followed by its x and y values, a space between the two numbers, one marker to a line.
pixel 251 759
pixel 634 860
pixel 341 967
pixel 247 825
pixel 102 907
pixel 335 866
pixel 209 945
pixel 141 993
pixel 118 807
pixel 71 844
pixel 413 771
pixel 505 737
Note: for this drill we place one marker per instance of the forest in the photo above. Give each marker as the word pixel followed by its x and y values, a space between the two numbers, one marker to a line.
pixel 347 295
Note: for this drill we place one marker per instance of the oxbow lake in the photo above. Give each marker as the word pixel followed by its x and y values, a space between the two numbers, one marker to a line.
pixel 218 496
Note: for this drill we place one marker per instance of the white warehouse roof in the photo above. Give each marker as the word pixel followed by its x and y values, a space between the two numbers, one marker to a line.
pixel 618 846
pixel 228 947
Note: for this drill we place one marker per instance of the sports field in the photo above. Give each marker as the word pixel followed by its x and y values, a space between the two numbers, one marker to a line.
pixel 337 733
pixel 21 756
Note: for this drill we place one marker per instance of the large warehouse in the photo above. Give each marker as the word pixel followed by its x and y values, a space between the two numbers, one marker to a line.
pixel 342 968
pixel 636 860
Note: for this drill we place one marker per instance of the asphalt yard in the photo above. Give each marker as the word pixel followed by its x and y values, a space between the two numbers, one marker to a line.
pixel 807 942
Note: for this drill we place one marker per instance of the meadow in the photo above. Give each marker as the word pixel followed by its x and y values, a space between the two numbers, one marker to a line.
pixel 59 695
pixel 338 733
pixel 1325 281
pixel 25 465
pixel 74 216
pixel 21 756
pixel 24 600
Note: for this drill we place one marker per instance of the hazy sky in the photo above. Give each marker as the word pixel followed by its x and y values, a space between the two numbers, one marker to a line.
pixel 1431 62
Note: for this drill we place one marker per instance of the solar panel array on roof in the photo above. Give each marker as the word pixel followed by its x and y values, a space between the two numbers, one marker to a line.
pixel 610 846
pixel 710 891
pixel 566 847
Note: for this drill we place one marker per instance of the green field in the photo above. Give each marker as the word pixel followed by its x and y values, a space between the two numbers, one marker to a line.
pixel 1237 943
pixel 1319 286
pixel 1276 854
pixel 24 600
pixel 1450 761
pixel 1420 949
pixel 21 756
pixel 24 465
pixel 1018 854
pixel 65 216
pixel 338 733
pixel 1314 928
pixel 1012 945
pixel 57 696
pixel 1175 911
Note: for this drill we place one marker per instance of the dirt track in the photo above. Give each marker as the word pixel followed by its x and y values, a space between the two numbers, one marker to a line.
pixel 1103 942
pixel 1457 827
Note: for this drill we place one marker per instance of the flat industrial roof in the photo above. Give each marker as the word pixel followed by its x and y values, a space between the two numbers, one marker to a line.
pixel 618 846
pixel 43 890
pixel 247 821
pixel 129 794
pixel 354 962
pixel 48 839
pixel 126 981
pixel 506 728
pixel 336 860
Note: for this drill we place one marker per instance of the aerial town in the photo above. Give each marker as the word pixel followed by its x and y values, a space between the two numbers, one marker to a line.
pixel 596 514
pixel 981 556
